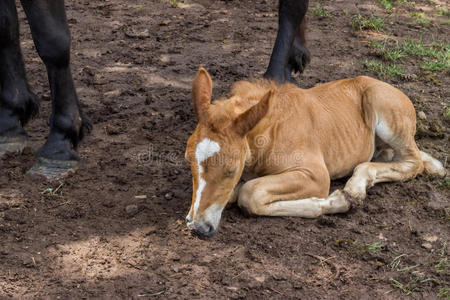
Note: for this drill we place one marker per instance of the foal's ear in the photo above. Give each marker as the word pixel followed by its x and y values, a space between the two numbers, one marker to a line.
pixel 201 94
pixel 246 121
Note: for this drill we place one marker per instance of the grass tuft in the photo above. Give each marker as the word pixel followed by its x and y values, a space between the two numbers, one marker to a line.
pixel 421 18
pixel 320 11
pixel 434 57
pixel 367 23
pixel 383 70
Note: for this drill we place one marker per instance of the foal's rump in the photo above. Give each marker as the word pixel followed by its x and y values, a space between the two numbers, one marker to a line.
pixel 392 117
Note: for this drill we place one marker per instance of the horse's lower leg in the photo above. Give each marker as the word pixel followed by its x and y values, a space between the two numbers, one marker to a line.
pixel 17 102
pixel 367 174
pixel 289 53
pixel 51 36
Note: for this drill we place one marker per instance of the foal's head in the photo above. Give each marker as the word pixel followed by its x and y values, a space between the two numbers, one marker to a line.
pixel 216 152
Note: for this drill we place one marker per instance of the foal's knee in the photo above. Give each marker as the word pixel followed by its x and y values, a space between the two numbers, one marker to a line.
pixel 251 199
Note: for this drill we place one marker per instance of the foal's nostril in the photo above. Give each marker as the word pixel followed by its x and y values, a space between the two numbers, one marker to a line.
pixel 208 229
pixel 202 230
pixel 188 220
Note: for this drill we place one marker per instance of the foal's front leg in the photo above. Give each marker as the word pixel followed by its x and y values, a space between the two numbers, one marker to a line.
pixel 299 193
pixel 51 36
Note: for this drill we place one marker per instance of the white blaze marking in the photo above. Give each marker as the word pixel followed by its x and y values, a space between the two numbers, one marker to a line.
pixel 205 149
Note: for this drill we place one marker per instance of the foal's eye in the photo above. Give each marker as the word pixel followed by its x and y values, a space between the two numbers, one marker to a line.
pixel 230 173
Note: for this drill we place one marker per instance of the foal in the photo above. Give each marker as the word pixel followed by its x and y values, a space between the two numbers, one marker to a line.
pixel 296 141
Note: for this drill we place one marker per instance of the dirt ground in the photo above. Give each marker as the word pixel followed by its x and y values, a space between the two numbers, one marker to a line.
pixel 115 229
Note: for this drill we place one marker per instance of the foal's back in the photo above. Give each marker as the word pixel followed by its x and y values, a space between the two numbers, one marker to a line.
pixel 338 120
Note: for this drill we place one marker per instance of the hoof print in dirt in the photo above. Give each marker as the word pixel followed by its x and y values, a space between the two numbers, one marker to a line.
pixel 14 144
pixel 53 170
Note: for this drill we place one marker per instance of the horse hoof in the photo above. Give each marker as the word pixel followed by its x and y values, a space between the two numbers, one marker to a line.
pixel 53 169
pixel 354 201
pixel 12 144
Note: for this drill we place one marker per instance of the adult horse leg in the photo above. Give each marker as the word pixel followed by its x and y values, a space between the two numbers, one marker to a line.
pixel 17 102
pixel 51 36
pixel 289 52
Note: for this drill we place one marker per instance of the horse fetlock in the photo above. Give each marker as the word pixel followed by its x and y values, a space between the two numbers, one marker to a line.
pixel 58 147
pixel 21 101
pixel 299 58
pixel 356 187
pixel 338 203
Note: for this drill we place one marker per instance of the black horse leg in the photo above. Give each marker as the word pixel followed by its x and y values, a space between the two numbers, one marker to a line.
pixel 17 102
pixel 299 55
pixel 289 53
pixel 50 31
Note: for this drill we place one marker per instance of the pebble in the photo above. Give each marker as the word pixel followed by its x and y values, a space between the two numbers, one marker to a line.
pixel 422 115
pixel 132 210
pixel 168 196
pixel 427 245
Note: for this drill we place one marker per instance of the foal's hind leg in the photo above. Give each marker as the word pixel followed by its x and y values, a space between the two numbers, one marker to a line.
pixel 406 164
pixel 367 174
pixel 432 165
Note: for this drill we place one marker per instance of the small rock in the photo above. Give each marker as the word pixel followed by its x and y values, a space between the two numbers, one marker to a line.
pixel 260 278
pixel 430 238
pixel 422 115
pixel 141 197
pixel 133 33
pixel 132 210
pixel 427 245
pixel 151 230
pixel 165 22
pixel 381 237
pixel 111 129
pixel 168 196
pixel 113 93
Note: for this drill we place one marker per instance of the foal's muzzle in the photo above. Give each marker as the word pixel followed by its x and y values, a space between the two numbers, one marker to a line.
pixel 200 229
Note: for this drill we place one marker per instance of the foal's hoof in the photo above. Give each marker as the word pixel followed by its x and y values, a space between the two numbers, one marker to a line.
pixel 12 144
pixel 354 201
pixel 53 169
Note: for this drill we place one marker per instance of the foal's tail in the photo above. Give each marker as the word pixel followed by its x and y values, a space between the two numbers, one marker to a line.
pixel 432 165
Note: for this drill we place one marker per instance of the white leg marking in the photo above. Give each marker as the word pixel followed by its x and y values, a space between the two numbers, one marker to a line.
pixel 432 165
pixel 205 149
pixel 309 207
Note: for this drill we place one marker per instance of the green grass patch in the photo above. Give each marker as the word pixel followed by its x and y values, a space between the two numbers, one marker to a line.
pixel 443 12
pixel 383 70
pixel 320 11
pixel 389 4
pixel 375 247
pixel 407 288
pixel 420 18
pixel 444 293
pixel 433 57
pixel 387 52
pixel 446 113
pixel 367 23
pixel 386 4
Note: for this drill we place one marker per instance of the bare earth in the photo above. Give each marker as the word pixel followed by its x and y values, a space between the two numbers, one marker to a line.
pixel 115 229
